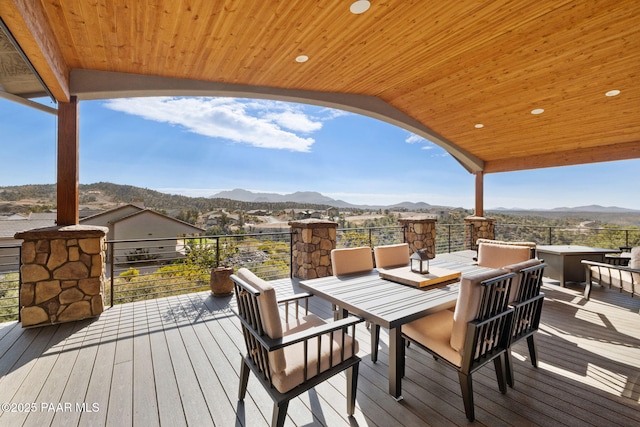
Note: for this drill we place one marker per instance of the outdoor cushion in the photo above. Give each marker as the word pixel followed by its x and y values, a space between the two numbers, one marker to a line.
pixel 351 260
pixel 293 374
pixel 517 268
pixel 269 314
pixel 434 332
pixel 391 255
pixel 635 258
pixel 497 255
pixel 468 305
pixel 444 332
pixel 616 277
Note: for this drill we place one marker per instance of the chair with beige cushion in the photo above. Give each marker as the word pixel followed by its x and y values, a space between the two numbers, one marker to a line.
pixel 476 333
pixel 497 253
pixel 527 300
pixel 351 260
pixel 291 358
pixel 346 261
pixel 389 256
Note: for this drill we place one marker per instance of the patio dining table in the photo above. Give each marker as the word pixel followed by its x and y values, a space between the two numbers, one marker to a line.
pixel 388 304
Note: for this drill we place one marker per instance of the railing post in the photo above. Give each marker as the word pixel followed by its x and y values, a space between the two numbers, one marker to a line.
pixel 291 233
pixel 549 236
pixel 217 251
pixel 111 268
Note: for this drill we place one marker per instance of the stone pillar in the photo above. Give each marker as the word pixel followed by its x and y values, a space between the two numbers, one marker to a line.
pixel 420 233
pixel 478 227
pixel 62 274
pixel 313 241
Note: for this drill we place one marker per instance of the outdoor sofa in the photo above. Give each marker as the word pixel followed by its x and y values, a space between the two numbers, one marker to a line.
pixel 624 278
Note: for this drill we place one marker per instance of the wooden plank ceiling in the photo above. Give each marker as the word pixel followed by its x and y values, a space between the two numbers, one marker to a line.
pixel 450 66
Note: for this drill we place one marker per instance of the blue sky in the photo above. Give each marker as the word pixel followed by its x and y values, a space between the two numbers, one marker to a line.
pixel 200 146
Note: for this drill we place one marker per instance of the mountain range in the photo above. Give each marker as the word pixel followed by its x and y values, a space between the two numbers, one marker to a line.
pixel 313 197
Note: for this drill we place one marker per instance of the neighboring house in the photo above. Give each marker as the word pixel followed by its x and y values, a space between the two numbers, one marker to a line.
pixel 214 219
pixel 332 212
pixel 130 223
pixel 16 223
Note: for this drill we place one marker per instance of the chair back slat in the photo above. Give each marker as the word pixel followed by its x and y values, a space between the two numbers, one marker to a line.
pixel 495 297
pixel 530 283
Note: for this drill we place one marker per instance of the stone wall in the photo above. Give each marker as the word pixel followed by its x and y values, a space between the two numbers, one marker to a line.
pixel 62 274
pixel 313 241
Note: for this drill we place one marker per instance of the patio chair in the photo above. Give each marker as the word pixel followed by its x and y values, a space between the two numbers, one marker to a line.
pixel 350 261
pixel 527 300
pixel 498 253
pixel 476 333
pixel 387 256
pixel 289 359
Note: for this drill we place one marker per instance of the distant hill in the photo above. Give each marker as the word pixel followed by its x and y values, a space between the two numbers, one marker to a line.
pixel 297 197
pixel 577 209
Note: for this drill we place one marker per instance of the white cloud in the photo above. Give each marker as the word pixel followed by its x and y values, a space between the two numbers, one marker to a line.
pixel 413 139
pixel 265 124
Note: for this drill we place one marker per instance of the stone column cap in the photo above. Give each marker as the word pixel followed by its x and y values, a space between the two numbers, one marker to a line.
pixel 68 231
pixel 478 218
pixel 313 223
pixel 418 219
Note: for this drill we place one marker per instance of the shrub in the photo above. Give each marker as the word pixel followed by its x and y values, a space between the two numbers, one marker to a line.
pixel 129 274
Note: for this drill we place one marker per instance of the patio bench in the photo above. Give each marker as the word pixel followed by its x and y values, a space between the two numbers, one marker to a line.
pixel 624 278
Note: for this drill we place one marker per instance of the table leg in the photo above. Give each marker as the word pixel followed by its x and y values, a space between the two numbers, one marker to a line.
pixel 396 362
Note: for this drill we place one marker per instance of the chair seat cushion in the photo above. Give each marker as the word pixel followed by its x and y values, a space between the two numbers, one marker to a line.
pixel 293 373
pixel 434 332
pixel 613 277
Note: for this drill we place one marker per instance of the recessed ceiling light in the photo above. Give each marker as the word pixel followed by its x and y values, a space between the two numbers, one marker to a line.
pixel 302 58
pixel 479 126
pixel 537 111
pixel 613 92
pixel 360 6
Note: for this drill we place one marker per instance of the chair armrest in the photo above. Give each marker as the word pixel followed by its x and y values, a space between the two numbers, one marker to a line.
pixel 295 297
pixel 610 266
pixel 313 332
pixel 271 344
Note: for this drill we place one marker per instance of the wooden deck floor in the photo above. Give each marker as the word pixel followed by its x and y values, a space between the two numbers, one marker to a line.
pixel 175 361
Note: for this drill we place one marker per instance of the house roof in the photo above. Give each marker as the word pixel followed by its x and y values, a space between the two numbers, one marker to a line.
pixel 165 217
pixel 439 69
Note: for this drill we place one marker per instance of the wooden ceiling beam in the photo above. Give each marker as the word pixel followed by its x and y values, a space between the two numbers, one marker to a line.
pixel 608 153
pixel 30 27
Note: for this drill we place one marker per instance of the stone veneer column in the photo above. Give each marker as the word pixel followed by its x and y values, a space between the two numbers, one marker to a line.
pixel 62 274
pixel 420 233
pixel 478 227
pixel 312 243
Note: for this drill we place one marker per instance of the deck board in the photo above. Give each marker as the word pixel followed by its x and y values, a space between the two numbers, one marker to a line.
pixel 175 361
